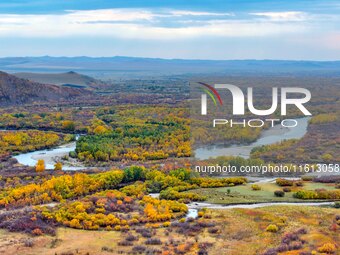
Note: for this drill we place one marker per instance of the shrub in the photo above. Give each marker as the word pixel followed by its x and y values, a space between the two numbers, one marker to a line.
pixel 290 237
pixel 203 247
pixel 271 251
pixel 28 242
pixel 317 194
pixel 125 243
pixel 289 242
pixel 255 187
pixel 173 194
pixel 307 178
pixel 68 125
pixel 146 233
pixel 58 166
pixel 328 179
pixel 67 253
pixel 139 249
pixel 327 157
pixel 190 219
pixel 327 248
pixel 305 253
pixel 295 245
pixel 37 232
pixel 131 238
pixel 72 154
pixel 105 248
pixel 286 189
pixel 202 252
pixel 153 241
pixel 282 248
pixel 301 231
pixel 25 221
pixel 272 228
pixel 299 184
pixel 213 230
pixel 284 182
pixel 279 193
pixel 117 228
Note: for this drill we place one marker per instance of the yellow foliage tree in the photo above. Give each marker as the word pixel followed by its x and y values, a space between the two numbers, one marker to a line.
pixel 58 166
pixel 100 130
pixel 40 166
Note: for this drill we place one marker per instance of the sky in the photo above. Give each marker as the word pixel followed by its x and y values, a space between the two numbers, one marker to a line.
pixel 186 29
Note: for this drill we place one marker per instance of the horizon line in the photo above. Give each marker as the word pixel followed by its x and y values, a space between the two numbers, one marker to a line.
pixel 160 58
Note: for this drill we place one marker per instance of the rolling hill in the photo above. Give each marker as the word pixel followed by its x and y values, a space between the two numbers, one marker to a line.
pixel 68 79
pixel 16 91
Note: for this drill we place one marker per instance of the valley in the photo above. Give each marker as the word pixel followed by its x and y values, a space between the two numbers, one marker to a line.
pixel 107 168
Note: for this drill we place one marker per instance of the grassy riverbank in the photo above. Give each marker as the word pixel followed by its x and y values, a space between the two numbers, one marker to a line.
pixel 245 193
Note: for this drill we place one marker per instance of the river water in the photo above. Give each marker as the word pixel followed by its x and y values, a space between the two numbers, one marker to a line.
pixel 50 156
pixel 270 136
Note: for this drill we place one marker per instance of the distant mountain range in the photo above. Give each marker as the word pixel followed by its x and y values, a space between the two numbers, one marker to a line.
pixel 132 67
pixel 17 91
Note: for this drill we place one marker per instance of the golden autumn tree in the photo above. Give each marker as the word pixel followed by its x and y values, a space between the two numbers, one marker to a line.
pixel 68 125
pixel 58 166
pixel 40 166
pixel 100 130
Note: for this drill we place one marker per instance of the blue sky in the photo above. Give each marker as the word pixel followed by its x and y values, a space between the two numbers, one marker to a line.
pixel 195 29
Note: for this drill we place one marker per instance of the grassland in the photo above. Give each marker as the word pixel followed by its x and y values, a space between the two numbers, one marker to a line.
pixel 238 231
pixel 245 194
pixel 243 231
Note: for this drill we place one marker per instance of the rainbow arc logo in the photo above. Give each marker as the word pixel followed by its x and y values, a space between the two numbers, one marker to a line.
pixel 210 92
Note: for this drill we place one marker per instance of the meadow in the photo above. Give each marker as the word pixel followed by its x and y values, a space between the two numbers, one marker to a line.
pixel 259 193
pixel 283 230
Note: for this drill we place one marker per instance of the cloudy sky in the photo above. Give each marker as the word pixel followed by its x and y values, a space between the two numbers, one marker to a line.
pixel 195 29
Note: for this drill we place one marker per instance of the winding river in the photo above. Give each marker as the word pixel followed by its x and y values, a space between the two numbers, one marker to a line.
pixel 50 156
pixel 270 136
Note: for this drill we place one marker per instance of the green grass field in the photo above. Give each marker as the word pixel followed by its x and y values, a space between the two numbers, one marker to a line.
pixel 245 194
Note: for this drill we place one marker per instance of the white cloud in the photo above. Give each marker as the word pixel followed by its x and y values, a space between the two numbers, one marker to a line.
pixel 141 24
pixel 283 16
pixel 194 13
pixel 109 15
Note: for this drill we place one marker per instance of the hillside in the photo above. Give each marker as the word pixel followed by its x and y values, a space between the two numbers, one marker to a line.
pixel 14 91
pixel 68 79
